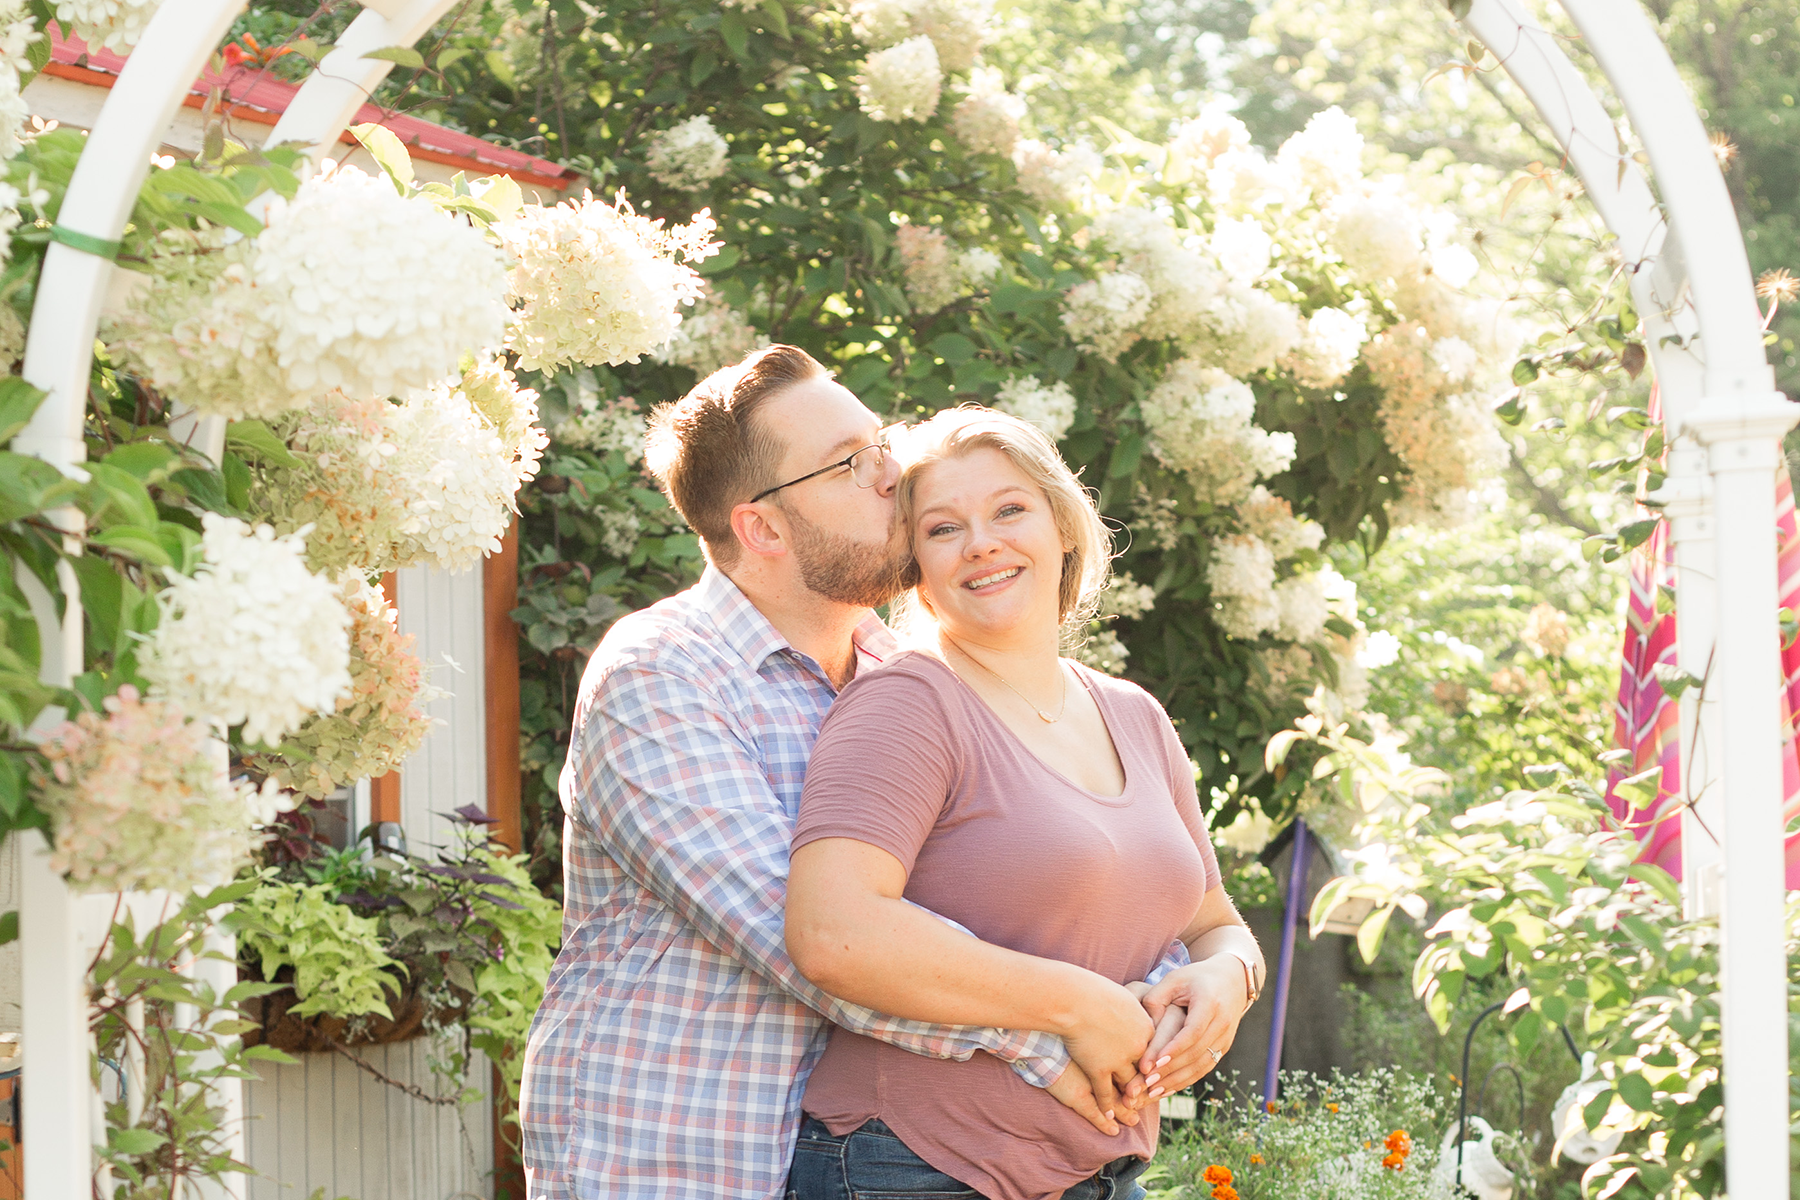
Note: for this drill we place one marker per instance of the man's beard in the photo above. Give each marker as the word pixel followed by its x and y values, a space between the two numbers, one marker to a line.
pixel 844 570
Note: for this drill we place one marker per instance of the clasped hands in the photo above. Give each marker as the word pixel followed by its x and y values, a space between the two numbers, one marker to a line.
pixel 1135 1044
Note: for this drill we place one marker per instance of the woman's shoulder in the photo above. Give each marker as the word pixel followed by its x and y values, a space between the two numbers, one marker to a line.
pixel 902 680
pixel 1124 697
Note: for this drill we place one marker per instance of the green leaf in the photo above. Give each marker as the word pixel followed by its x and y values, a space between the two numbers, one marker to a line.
pixel 1368 936
pixel 259 442
pixel 1125 456
pixel 18 399
pixel 953 348
pixel 1638 532
pixel 142 460
pixel 9 927
pixel 1658 880
pixel 736 32
pixel 134 1142
pixel 1636 1091
pixel 1640 790
pixel 382 144
pixel 1524 371
pixel 117 497
pixel 136 541
pixel 400 56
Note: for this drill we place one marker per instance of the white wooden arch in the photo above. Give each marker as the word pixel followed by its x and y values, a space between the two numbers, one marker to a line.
pixel 1691 284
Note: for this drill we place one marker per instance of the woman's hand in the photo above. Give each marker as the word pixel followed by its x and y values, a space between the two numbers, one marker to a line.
pixel 1109 1032
pixel 1212 991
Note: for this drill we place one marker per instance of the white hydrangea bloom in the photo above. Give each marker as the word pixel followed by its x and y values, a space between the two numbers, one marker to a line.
pixel 349 287
pixel 1203 139
pixel 617 426
pixel 929 267
pixel 1126 597
pixel 1185 283
pixel 1103 314
pixel 688 155
pixel 1455 358
pixel 901 83
pixel 510 411
pixel 878 24
pixel 14 113
pixel 1243 180
pixel 1287 667
pixel 1241 576
pixel 1103 651
pixel 253 637
pixel 987 119
pixel 597 283
pixel 460 480
pixel 1055 178
pixel 1200 423
pixel 1326 156
pixel 1379 235
pixel 1303 608
pixel 1329 347
pixel 711 336
pixel 1251 330
pixel 619 531
pixel 1441 431
pixel 957 28
pixel 375 293
pixel 1243 248
pixel 977 265
pixel 1455 265
pixel 1049 406
pixel 1272 519
pixel 114 25
pixel 17 32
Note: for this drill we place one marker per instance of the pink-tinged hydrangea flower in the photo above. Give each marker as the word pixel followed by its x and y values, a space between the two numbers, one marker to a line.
pixel 711 336
pixel 1201 423
pixel 928 264
pixel 688 155
pixel 1103 314
pixel 378 723
pixel 1440 431
pixel 901 83
pixel 350 287
pixel 1055 178
pixel 1272 519
pixel 253 637
pixel 1049 406
pixel 138 799
pixel 114 25
pixel 986 121
pixel 596 283
pixel 431 480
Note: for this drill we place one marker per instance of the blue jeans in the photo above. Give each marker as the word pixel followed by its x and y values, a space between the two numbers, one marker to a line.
pixel 872 1163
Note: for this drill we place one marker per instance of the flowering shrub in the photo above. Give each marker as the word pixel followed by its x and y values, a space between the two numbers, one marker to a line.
pixel 351 287
pixel 378 722
pixel 138 799
pixel 596 283
pixel 252 637
pixel 901 83
pixel 688 155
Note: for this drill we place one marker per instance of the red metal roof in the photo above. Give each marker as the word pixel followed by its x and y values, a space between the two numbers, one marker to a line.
pixel 252 94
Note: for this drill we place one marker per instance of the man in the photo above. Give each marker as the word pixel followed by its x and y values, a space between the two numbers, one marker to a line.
pixel 672 1047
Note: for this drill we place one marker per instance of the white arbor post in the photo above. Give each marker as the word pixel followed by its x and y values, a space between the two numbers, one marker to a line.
pixel 1725 422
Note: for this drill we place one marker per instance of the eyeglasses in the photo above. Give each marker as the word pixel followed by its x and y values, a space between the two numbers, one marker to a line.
pixel 865 466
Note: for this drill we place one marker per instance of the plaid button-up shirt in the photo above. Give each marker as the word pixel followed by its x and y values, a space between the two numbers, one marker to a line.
pixel 672 1048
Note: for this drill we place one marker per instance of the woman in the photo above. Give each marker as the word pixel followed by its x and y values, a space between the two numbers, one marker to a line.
pixel 1045 807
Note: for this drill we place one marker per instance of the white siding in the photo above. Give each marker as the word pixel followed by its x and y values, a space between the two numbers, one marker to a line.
pixel 324 1123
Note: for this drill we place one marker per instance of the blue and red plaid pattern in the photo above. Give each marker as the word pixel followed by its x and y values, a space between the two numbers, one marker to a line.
pixel 670 1053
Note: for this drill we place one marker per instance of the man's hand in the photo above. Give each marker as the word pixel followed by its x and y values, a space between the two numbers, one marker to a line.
pixel 1212 992
pixel 1112 1031
pixel 1074 1092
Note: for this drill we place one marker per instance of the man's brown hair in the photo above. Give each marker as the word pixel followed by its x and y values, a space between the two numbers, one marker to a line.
pixel 709 451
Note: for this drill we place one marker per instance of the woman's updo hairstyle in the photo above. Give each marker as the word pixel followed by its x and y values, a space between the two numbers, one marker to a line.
pixel 959 431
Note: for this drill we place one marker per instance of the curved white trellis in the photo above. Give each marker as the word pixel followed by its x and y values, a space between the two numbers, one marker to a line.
pixel 1691 285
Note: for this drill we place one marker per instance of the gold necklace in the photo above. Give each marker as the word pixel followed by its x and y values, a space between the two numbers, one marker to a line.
pixel 1043 716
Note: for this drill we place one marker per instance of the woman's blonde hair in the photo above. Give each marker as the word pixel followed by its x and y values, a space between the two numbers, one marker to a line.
pixel 959 431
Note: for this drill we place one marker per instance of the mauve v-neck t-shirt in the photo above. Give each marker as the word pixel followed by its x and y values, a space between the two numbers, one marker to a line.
pixel 912 761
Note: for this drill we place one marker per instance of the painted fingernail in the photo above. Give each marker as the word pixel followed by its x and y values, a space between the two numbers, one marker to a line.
pixel 1155 1092
pixel 1151 1080
pixel 1109 1114
pixel 1164 1060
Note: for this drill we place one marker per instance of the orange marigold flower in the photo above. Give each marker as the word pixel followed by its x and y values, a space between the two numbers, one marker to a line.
pixel 1394 1162
pixel 1332 1107
pixel 1399 1142
pixel 1225 1192
pixel 1256 1160
pixel 1217 1174
pixel 1268 1106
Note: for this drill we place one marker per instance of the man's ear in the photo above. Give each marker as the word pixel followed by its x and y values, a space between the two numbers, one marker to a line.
pixel 759 531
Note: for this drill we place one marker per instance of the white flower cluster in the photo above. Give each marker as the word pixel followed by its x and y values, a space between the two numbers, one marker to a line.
pixel 1241 577
pixel 617 426
pixel 712 335
pixel 1199 142
pixel 17 31
pixel 350 287
pixel 1439 428
pixel 1055 178
pixel 956 28
pixel 1329 348
pixel 1103 651
pixel 114 25
pixel 1200 421
pixel 384 486
pixel 1326 156
pixel 1272 519
pixel 688 155
pixel 253 637
pixel 1103 314
pixel 137 799
pixel 901 83
pixel 1049 406
pixel 596 283
pixel 986 121
pixel 935 272
pixel 1126 597
pixel 510 411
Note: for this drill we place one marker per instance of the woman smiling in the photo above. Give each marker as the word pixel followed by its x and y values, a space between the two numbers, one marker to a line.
pixel 1048 809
